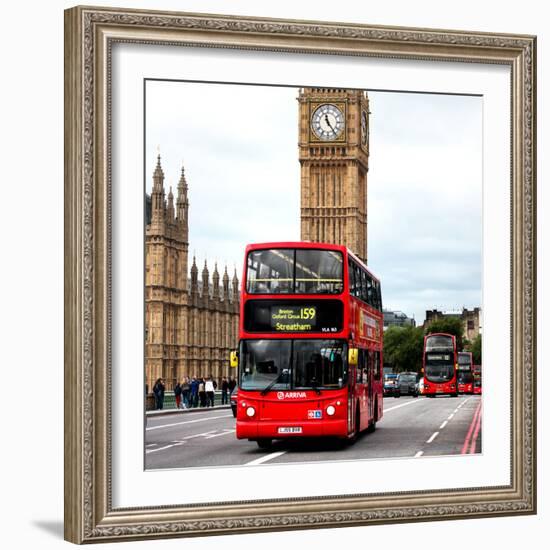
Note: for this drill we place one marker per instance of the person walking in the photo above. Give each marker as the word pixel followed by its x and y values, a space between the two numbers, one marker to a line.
pixel 177 395
pixel 232 384
pixel 225 391
pixel 194 392
pixel 209 388
pixel 158 390
pixel 185 391
pixel 202 393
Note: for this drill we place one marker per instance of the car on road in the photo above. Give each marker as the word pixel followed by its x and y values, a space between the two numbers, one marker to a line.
pixel 406 384
pixel 233 401
pixel 390 386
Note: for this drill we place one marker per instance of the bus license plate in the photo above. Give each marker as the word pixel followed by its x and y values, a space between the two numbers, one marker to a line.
pixel 290 430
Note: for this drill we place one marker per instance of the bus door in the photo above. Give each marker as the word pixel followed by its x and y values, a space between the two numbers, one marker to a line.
pixel 370 378
pixel 351 396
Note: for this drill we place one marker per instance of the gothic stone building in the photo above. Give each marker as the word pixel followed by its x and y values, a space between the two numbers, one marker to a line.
pixel 190 326
pixel 470 319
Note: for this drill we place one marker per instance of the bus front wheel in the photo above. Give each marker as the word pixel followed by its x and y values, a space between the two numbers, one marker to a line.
pixel 264 444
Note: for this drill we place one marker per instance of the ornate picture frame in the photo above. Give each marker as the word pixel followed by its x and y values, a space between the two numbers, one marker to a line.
pixel 89 36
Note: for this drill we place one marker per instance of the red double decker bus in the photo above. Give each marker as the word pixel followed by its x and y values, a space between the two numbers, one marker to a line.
pixel 310 349
pixel 439 363
pixel 465 372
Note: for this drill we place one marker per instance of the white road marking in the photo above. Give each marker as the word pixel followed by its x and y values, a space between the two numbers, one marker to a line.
pixel 450 416
pixel 227 432
pixel 443 425
pixel 434 435
pixel 187 422
pixel 199 435
pixel 419 453
pixel 159 449
pixel 455 411
pixel 403 405
pixel 265 458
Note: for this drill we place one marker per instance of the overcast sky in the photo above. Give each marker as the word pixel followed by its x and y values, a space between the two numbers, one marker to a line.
pixel 239 147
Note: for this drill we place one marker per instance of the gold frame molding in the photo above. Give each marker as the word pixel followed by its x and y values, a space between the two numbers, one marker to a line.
pixel 89 35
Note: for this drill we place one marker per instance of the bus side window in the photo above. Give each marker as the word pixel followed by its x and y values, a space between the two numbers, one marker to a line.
pixel 360 367
pixel 378 295
pixel 377 369
pixel 351 274
pixel 370 291
pixel 360 276
pixel 359 282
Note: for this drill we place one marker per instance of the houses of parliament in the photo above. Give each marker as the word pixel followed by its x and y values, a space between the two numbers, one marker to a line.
pixel 191 323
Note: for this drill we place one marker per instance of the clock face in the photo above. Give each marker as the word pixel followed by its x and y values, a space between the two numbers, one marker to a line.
pixel 327 122
pixel 364 129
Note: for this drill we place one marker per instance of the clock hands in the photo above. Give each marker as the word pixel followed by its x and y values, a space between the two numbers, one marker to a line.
pixel 328 123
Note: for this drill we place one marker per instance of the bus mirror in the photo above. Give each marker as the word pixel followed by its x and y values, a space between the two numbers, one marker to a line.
pixel 353 356
pixel 233 360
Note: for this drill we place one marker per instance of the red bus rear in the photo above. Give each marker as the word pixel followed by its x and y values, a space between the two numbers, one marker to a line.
pixel 310 349
pixel 439 365
pixel 477 379
pixel 465 373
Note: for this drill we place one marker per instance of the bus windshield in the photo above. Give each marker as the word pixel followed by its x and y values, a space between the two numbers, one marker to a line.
pixel 294 271
pixel 464 359
pixel 439 343
pixel 292 364
pixel 465 377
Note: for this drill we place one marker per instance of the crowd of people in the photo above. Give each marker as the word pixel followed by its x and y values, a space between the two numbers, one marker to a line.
pixel 194 392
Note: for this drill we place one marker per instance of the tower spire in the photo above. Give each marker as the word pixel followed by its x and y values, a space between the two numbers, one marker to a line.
pixel 157 195
pixel 225 282
pixel 170 209
pixel 194 276
pixel 182 202
pixel 205 277
pixel 235 293
pixel 216 282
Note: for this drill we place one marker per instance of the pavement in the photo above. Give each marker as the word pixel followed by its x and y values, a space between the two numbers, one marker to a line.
pixel 165 412
pixel 410 427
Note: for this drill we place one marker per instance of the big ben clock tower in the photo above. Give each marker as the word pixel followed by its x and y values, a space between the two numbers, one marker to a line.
pixel 334 154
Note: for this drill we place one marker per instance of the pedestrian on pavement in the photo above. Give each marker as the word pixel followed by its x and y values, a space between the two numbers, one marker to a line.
pixel 177 394
pixel 209 388
pixel 158 390
pixel 225 391
pixel 185 391
pixel 202 393
pixel 194 392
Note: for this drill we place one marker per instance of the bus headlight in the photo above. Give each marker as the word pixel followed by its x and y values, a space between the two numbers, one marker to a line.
pixel 331 410
pixel 251 411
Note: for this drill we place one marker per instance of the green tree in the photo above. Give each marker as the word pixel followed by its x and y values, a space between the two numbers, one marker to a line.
pixel 403 348
pixel 449 325
pixel 476 350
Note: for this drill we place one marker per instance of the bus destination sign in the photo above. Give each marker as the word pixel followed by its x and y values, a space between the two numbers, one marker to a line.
pixel 324 316
pixel 289 318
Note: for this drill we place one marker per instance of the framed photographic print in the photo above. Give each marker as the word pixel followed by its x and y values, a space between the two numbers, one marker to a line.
pixel 288 244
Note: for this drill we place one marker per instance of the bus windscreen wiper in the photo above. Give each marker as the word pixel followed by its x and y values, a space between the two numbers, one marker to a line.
pixel 315 386
pixel 271 384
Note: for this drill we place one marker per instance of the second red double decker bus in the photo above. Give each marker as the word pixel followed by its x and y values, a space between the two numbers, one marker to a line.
pixel 439 364
pixel 465 373
pixel 310 349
